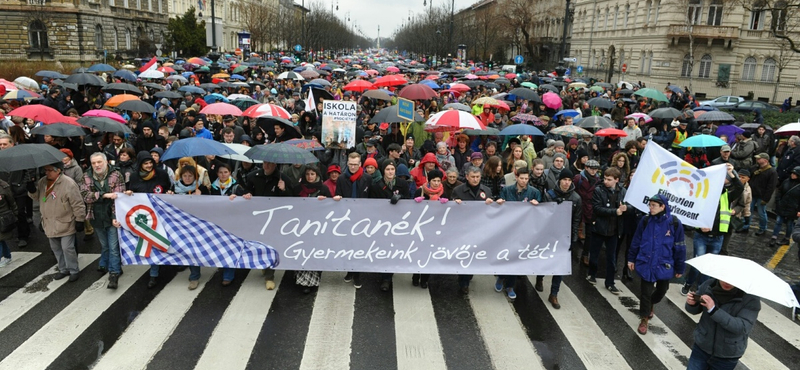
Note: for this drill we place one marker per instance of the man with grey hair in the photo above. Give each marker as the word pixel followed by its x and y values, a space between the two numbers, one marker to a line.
pixel 472 190
pixel 790 158
pixel 99 188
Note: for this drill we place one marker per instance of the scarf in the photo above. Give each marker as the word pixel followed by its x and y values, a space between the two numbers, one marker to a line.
pixel 223 186
pixel 722 296
pixel 100 176
pixel 180 188
pixel 433 194
pixel 147 176
pixel 309 189
pixel 390 184
pixel 761 170
pixel 353 177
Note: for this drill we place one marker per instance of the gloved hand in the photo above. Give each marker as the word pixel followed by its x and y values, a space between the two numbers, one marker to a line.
pixel 419 199
pixel 443 200
pixel 30 186
pixel 79 226
pixel 395 198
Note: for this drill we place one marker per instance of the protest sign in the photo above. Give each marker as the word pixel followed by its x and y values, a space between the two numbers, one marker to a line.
pixel 339 123
pixel 368 235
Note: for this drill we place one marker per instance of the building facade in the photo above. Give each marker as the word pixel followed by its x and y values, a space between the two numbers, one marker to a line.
pixel 81 30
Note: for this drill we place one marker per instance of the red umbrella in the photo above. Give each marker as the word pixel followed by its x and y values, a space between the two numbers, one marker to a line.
pixel 8 85
pixel 166 70
pixel 460 87
pixel 266 110
pixel 197 61
pixel 371 72
pixel 359 85
pixel 501 105
pixel 105 113
pixel 611 132
pixel 432 77
pixel 38 112
pixel 391 80
pixel 451 120
pixel 511 75
pixel 417 92
pixel 392 69
pixel 222 109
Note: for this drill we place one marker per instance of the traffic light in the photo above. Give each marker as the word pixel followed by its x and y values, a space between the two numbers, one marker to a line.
pixel 490 64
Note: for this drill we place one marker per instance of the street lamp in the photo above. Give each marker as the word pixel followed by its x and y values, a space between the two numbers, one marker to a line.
pixel 438 37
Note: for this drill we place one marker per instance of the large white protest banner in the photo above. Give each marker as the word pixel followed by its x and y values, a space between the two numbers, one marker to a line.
pixel 369 235
pixel 693 193
pixel 339 123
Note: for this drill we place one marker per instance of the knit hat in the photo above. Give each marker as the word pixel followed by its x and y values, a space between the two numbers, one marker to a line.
pixel 564 174
pixel 475 155
pixel 581 152
pixel 747 134
pixel 67 152
pixel 402 171
pixel 164 101
pixel 558 144
pixel 573 141
pixel 435 174
pixel 561 155
pixel 170 116
pixel 371 162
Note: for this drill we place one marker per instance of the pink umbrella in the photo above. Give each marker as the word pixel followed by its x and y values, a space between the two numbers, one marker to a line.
pixel 392 69
pixel 106 114
pixel 264 110
pixel 451 120
pixel 432 77
pixel 460 87
pixel 636 116
pixel 222 109
pixel 551 100
pixel 371 72
pixel 471 76
pixel 8 84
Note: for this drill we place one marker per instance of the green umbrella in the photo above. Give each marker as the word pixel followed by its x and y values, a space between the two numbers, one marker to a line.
pixel 203 69
pixel 529 85
pixel 596 88
pixel 240 69
pixel 244 103
pixel 489 131
pixel 652 94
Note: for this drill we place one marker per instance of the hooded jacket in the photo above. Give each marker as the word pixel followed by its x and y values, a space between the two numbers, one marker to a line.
pixel 658 249
pixel 420 178
pixel 7 203
pixel 146 143
pixel 158 184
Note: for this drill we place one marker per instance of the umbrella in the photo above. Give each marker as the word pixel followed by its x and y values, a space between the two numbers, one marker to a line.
pixel 702 141
pixel 431 84
pixel 290 76
pixel 611 132
pixel 121 88
pixel 525 117
pixel 104 124
pixel 238 96
pixel 788 129
pixel 118 99
pixel 168 95
pixel 281 153
pixel 389 115
pixel 454 120
pixel 197 61
pixel 50 74
pixel 715 116
pixel 153 86
pixel 636 116
pixel 245 103
pixel 209 86
pixel 180 78
pixel 8 85
pixel 59 129
pixel 489 131
pixel 526 94
pixel 521 129
pixel 136 106
pixel 240 149
pixel 459 87
pixel 567 113
pixel 746 275
pixel 126 75
pixel 39 113
pixel 417 92
pixel 666 113
pixel 152 73
pixel 604 84
pixel 570 131
pixel 101 67
pixel 321 82
pixel 221 109
pixel 754 126
pixel 21 95
pixel 601 103
pixel 359 86
pixel 192 89
pixel 105 113
pixel 486 101
pixel 625 92
pixel 311 145
pixel 551 100
pixel 729 131
pixel 262 110
pixel 549 87
pixel 675 88
pixel 309 74
pixel 597 89
pixel 195 146
pixel 23 157
pixel 379 94
pixel 652 94
pixel 214 98
pixel 530 85
pixel 27 83
pixel 166 70
pixel 577 85
pixel 597 122
pixel 84 79
pixel 458 106
pixel 391 80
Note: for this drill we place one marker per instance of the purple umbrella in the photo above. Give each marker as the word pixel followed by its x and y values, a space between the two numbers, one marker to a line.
pixel 730 131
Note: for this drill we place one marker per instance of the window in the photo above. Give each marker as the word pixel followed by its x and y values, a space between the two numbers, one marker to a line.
pixel 643 59
pixel 160 7
pixel 705 66
pixel 650 63
pixel 116 39
pixel 768 71
pixel 616 16
pixel 649 12
pixel 111 3
pixel 658 7
pixel 98 37
pixel 779 16
pixel 627 13
pixel 757 19
pixel 128 38
pixel 694 11
pixel 715 13
pixel 37 33
pixel 605 25
pixel 749 69
pixel 125 3
pixel 686 68
pixel 597 20
pixel 149 5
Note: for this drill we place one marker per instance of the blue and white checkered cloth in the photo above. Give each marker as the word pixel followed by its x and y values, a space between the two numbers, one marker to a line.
pixel 196 242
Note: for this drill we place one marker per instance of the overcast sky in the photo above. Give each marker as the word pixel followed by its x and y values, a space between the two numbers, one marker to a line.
pixel 389 14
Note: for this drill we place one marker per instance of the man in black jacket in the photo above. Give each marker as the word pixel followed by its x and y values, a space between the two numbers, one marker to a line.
pixel 472 190
pixel 17 180
pixel 762 185
pixel 353 183
pixel 607 210
pixel 790 158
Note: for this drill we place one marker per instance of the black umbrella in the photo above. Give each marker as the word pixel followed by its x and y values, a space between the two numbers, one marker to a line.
pixel 389 115
pixel 104 124
pixel 153 86
pixel 290 131
pixel 259 83
pixel 209 86
pixel 715 116
pixel 625 92
pixel 136 106
pixel 666 113
pixel 168 95
pixel 558 83
pixel 379 94
pixel 85 79
pixel 596 122
pixel 59 129
pixel 26 156
pixel 281 153
pixel 604 84
pixel 601 103
pixel 121 88
pixel 320 95
pixel 549 87
pixel 526 93
pixel 489 131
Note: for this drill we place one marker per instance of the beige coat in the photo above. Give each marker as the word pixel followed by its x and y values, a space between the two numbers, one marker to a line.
pixel 62 208
pixel 742 205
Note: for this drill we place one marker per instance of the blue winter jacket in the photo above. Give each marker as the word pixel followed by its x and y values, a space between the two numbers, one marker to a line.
pixel 658 249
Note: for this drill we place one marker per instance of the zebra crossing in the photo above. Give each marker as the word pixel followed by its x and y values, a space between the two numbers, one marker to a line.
pixel 48 324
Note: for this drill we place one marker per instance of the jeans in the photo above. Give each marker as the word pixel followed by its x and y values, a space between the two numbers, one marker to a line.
pixel 509 281
pixel 5 251
pixel 194 273
pixel 611 253
pixel 783 221
pixel 555 285
pixel 153 270
pixel 463 280
pixel 702 244
pixel 700 360
pixel 109 248
pixel 761 209
pixel 227 274
pixel 652 293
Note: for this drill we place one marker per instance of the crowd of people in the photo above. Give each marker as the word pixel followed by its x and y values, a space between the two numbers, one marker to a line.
pixel 395 161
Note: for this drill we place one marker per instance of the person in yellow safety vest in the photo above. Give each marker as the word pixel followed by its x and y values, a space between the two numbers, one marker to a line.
pixel 709 240
pixel 676 137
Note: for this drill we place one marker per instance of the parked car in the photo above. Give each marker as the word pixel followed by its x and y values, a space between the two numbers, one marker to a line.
pixel 723 101
pixel 751 105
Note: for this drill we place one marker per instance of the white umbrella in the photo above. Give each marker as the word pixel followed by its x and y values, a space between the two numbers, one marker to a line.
pixel 237 96
pixel 27 83
pixel 151 73
pixel 239 156
pixel 747 276
pixel 177 77
pixel 788 129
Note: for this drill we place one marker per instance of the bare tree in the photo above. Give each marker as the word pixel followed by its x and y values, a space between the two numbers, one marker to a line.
pixel 784 13
pixel 783 58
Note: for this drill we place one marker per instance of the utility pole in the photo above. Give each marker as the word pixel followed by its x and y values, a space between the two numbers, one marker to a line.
pixel 450 36
pixel 563 50
pixel 379 36
pixel 213 28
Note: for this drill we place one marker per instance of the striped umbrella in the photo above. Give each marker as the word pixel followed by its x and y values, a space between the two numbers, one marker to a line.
pixel 266 110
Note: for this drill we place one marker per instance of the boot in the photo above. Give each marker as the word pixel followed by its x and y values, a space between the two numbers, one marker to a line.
pixel 643 325
pixel 554 301
pixel 113 280
pixel 539 285
pixel 586 260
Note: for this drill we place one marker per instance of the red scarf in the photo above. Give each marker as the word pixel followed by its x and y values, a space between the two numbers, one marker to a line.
pixel 433 194
pixel 355 176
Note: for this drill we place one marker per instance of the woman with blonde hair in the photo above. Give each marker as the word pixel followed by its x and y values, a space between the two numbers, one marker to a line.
pixel 202 174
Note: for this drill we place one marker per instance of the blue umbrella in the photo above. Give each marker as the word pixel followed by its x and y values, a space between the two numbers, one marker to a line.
pixel 568 112
pixel 521 129
pixel 187 74
pixel 702 141
pixel 191 89
pixel 299 69
pixel 238 77
pixel 101 67
pixel 180 61
pixel 195 146
pixel 431 84
pixel 213 98
pixel 51 74
pixel 125 75
pixel 675 88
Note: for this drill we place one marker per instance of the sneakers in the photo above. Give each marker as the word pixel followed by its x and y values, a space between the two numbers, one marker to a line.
pixel 613 289
pixel 22 243
pixel 59 275
pixel 151 283
pixel 113 280
pixel 685 289
pixel 386 285
pixel 349 277
pixel 510 293
pixel 4 261
pixel 539 286
pixel 270 284
pixel 643 326
pixel 193 284
pixel 784 241
pixel 554 301
pixel 357 281
pixel 759 232
pixel 773 242
pixel 423 284
pixel 498 285
pixel 73 278
pixel 591 280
